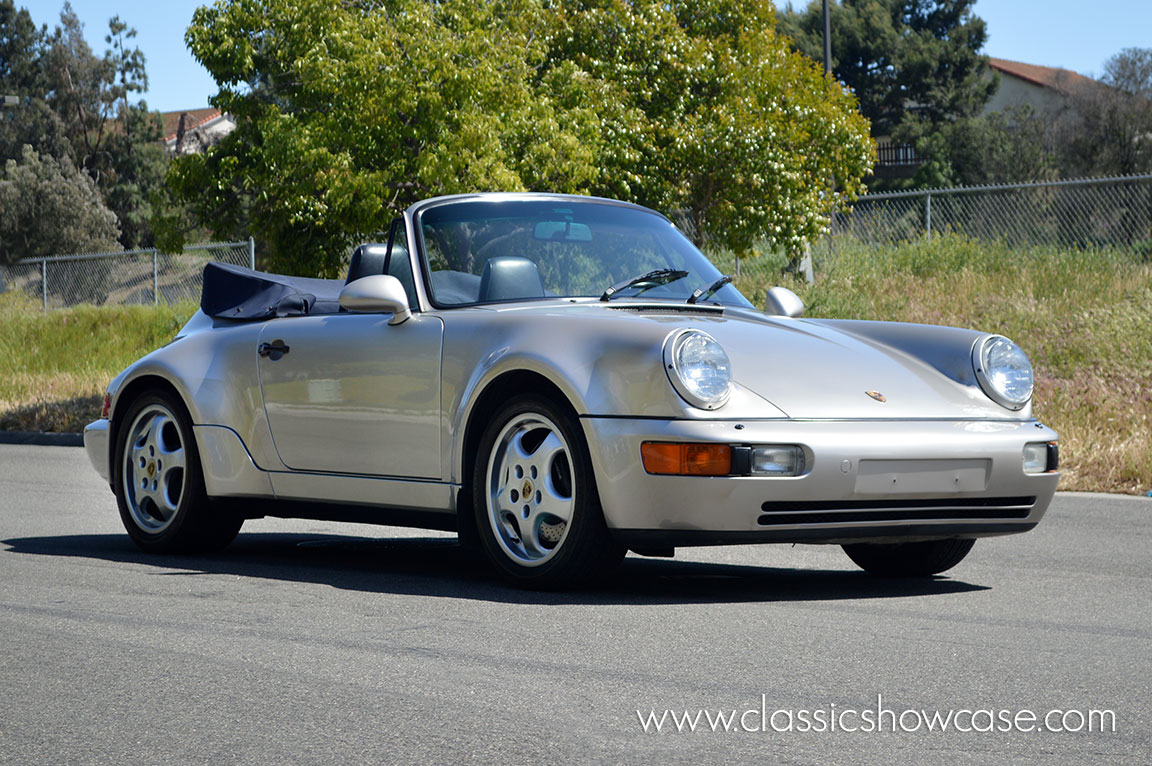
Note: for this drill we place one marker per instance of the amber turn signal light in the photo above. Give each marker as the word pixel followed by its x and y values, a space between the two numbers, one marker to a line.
pixel 686 459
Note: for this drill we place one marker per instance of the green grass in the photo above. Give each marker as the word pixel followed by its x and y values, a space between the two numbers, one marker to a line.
pixel 1084 317
pixel 54 367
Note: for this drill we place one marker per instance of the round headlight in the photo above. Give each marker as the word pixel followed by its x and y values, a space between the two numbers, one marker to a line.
pixel 698 368
pixel 1004 371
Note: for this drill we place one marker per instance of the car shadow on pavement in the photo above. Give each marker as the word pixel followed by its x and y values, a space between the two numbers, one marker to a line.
pixel 439 567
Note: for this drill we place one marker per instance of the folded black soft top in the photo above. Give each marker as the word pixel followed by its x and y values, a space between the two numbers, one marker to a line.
pixel 234 292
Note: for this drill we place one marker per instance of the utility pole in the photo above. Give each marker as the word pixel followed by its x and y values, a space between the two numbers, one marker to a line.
pixel 827 40
pixel 806 259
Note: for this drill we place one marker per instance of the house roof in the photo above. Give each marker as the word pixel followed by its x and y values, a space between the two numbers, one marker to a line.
pixel 196 118
pixel 1063 80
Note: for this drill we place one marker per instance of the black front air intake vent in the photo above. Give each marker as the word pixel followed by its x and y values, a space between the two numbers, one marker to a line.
pixel 879 511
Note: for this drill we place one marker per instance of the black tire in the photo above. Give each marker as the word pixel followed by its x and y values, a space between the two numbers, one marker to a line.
pixel 164 508
pixel 466 533
pixel 909 559
pixel 532 469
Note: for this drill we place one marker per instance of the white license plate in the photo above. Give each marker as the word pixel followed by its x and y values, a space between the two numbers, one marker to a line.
pixel 902 477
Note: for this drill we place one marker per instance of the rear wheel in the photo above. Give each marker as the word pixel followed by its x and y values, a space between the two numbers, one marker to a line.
pixel 537 511
pixel 909 559
pixel 159 482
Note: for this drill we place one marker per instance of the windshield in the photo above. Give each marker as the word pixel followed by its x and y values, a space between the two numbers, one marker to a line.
pixel 486 251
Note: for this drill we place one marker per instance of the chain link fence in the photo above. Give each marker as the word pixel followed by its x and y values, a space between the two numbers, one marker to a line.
pixel 1092 213
pixel 1100 212
pixel 132 276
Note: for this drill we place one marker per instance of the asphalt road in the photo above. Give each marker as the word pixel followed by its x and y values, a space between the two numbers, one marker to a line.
pixel 324 643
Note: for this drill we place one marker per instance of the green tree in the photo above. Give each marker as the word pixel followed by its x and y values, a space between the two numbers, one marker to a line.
pixel 77 87
pixel 347 113
pixel 914 64
pixel 711 114
pixel 48 207
pixel 31 122
pixel 20 45
pixel 1013 146
pixel 77 106
pixel 136 159
pixel 1108 130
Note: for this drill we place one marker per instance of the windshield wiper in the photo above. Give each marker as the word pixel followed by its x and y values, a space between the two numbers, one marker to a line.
pixel 704 293
pixel 645 281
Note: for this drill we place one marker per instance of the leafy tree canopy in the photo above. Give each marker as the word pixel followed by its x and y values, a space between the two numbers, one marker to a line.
pixel 1108 130
pixel 49 207
pixel 907 61
pixel 1002 147
pixel 707 111
pixel 348 112
pixel 76 107
pixel 20 43
pixel 1130 71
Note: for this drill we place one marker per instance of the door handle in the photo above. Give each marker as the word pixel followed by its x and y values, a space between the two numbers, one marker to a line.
pixel 273 350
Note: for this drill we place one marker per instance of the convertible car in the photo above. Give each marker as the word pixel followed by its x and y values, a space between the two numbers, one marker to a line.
pixel 562 379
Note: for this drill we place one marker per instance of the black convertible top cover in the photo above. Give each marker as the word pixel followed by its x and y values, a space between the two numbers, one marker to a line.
pixel 234 292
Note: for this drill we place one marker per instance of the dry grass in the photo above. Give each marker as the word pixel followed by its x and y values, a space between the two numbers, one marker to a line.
pixel 1084 317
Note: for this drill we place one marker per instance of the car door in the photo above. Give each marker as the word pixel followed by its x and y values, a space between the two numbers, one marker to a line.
pixel 348 393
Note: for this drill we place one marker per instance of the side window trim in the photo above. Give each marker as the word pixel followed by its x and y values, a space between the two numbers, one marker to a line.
pixel 409 285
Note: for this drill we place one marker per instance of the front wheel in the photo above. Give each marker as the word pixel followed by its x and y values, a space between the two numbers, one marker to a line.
pixel 537 511
pixel 159 482
pixel 909 559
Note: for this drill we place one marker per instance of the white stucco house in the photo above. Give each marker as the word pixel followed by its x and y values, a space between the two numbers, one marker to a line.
pixel 1048 90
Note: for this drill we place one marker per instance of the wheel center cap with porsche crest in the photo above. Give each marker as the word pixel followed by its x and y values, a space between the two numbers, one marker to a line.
pixel 526 490
pixel 877 396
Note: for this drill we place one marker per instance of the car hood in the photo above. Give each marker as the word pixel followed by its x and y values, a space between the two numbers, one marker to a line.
pixel 811 371
pixel 805 368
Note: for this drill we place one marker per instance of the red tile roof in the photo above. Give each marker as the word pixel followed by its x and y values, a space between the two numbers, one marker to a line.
pixel 1064 80
pixel 196 117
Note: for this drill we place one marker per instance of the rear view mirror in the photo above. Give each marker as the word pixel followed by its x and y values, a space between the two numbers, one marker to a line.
pixel 562 231
pixel 783 302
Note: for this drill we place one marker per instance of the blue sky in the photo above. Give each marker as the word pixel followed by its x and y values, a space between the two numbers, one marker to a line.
pixel 1066 33
pixel 176 81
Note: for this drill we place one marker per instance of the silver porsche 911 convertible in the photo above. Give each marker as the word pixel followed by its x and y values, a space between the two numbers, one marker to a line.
pixel 562 379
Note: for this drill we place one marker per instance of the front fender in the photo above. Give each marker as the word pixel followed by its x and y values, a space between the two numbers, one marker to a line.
pixel 214 373
pixel 604 367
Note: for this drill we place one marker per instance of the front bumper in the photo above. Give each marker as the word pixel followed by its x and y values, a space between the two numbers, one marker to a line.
pixel 96 445
pixel 866 481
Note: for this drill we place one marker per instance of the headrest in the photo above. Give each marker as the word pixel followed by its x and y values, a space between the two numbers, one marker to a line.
pixel 507 278
pixel 367 259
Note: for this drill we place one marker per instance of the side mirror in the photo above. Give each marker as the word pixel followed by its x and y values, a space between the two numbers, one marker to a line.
pixel 783 302
pixel 377 294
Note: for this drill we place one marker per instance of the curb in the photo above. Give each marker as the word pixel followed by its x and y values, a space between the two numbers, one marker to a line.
pixel 41 438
